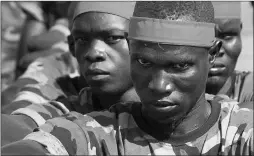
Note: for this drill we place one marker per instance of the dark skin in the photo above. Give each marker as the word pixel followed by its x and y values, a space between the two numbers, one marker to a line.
pixel 228 31
pixel 102 52
pixel 171 84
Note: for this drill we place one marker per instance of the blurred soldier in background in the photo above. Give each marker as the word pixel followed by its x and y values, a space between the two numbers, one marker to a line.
pixel 33 47
pixel 51 50
pixel 223 78
pixel 14 17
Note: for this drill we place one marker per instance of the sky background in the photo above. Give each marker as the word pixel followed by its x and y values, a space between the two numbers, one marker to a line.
pixel 245 60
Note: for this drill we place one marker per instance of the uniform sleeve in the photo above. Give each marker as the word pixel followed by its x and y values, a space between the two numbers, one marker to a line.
pixel 39 83
pixel 15 127
pixel 23 121
pixel 71 134
pixel 10 93
pixel 24 147
pixel 44 140
pixel 47 40
pixel 41 86
pixel 239 133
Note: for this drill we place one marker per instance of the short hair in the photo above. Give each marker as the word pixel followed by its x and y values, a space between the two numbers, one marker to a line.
pixel 197 11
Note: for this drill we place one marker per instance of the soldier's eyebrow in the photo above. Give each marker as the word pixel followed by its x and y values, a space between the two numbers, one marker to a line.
pixel 76 31
pixel 181 57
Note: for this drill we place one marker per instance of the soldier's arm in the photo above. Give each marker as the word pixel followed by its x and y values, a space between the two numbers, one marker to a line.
pixel 36 85
pixel 15 127
pixel 24 120
pixel 39 83
pixel 66 135
pixel 57 33
pixel 24 147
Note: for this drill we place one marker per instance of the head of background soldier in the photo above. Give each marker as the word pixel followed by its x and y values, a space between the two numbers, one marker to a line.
pixel 99 31
pixel 228 30
pixel 70 13
pixel 172 47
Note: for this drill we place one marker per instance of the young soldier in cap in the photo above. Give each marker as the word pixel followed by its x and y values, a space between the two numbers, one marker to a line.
pixel 102 52
pixel 172 46
pixel 223 78
pixel 38 69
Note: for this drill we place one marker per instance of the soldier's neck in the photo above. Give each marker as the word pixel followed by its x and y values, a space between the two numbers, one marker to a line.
pixel 226 88
pixel 220 87
pixel 196 118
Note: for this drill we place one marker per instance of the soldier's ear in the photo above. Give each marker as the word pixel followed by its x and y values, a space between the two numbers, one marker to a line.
pixel 126 37
pixel 214 50
pixel 71 44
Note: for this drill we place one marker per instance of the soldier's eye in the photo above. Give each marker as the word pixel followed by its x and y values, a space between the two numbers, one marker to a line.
pixel 80 40
pixel 227 36
pixel 181 66
pixel 144 62
pixel 113 39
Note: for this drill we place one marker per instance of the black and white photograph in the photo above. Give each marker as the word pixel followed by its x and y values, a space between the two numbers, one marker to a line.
pixel 127 78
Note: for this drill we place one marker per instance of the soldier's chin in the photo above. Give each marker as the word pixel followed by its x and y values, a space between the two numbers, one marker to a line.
pixel 215 80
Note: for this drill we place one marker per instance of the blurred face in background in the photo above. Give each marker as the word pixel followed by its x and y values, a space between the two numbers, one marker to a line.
pixel 229 32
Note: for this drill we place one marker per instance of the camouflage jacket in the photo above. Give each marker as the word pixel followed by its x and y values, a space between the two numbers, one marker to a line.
pixel 49 78
pixel 45 79
pixel 30 109
pixel 28 116
pixel 13 18
pixel 122 131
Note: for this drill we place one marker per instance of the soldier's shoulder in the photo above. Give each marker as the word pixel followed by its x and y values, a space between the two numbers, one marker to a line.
pixel 221 99
pixel 236 114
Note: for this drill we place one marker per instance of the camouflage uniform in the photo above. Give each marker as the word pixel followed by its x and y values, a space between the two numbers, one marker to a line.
pixel 54 61
pixel 45 79
pixel 12 20
pixel 25 116
pixel 122 131
pixel 34 100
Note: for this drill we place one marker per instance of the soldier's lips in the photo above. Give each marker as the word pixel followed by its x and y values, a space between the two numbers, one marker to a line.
pixel 217 69
pixel 96 77
pixel 96 74
pixel 164 106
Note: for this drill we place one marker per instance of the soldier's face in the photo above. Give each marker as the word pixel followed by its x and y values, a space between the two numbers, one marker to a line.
pixel 228 31
pixel 102 51
pixel 169 82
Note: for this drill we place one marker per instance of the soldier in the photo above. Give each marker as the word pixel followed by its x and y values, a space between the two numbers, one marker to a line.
pixel 223 78
pixel 103 61
pixel 172 48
